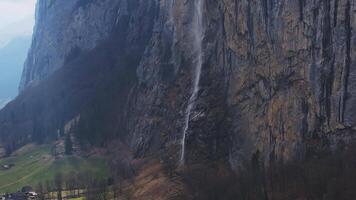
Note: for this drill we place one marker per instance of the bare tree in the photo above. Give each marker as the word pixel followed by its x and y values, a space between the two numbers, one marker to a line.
pixel 40 191
pixel 58 182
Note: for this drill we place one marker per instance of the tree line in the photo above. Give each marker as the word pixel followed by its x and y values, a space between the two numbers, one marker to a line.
pixel 73 185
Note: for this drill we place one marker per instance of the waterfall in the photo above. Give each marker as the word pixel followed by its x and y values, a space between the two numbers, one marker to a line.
pixel 198 39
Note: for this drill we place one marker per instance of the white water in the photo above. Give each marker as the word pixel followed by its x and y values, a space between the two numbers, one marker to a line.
pixel 198 39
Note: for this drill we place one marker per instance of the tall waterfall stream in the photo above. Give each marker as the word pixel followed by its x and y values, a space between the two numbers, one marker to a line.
pixel 198 39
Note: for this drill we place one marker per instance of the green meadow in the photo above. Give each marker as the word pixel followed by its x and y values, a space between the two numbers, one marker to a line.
pixel 34 164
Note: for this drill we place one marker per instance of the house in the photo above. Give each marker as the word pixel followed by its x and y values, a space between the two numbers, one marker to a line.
pixel 7 166
pixel 32 195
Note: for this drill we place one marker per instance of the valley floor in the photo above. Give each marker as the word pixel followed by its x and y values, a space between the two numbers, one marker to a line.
pixel 32 165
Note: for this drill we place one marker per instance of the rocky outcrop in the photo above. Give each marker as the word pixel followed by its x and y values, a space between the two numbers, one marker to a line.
pixel 276 76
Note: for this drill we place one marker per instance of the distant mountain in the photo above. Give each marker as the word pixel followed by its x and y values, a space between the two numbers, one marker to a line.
pixel 12 58
pixel 22 28
pixel 3 102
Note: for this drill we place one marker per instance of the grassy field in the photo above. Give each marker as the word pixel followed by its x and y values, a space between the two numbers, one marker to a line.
pixel 34 164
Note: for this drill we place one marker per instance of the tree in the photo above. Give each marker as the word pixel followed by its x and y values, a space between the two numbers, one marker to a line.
pixel 58 181
pixel 68 145
pixel 48 188
pixel 72 183
pixel 40 191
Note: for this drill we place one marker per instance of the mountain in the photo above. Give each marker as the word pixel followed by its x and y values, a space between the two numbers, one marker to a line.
pixel 193 83
pixel 3 102
pixel 12 58
pixel 22 28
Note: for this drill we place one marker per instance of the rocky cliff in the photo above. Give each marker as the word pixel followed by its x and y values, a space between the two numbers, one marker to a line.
pixel 63 30
pixel 221 80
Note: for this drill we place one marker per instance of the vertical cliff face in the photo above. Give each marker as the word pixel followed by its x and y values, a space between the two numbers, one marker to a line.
pixel 93 81
pixel 63 30
pixel 210 80
pixel 290 81
pixel 275 78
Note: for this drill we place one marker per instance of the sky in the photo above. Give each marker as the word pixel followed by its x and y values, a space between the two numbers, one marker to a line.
pixel 16 19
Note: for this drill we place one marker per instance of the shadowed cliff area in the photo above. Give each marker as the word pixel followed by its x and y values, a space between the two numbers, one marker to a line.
pixel 93 84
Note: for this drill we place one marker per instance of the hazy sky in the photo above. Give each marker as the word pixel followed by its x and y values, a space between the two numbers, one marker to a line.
pixel 16 19
pixel 15 10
